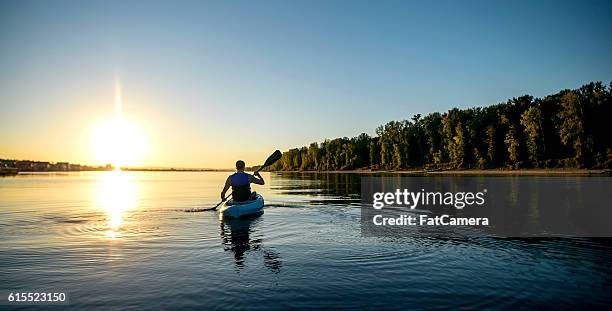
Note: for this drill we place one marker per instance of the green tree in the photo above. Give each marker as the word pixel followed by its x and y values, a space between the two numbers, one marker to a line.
pixel 432 127
pixel 374 152
pixel 531 120
pixel 397 156
pixel 571 127
pixel 511 141
pixel 490 141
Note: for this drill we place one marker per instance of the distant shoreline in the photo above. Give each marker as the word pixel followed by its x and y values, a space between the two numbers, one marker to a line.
pixel 127 169
pixel 467 172
pixel 130 170
pixel 475 172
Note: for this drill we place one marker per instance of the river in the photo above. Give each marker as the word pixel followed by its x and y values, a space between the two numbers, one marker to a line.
pixel 124 240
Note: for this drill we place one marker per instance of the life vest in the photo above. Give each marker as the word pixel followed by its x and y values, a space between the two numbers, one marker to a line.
pixel 241 186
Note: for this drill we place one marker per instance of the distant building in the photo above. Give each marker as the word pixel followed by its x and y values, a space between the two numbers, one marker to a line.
pixel 25 165
pixel 62 166
pixel 41 166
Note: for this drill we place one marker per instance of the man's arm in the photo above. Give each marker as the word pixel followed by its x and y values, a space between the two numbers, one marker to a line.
pixel 257 179
pixel 225 188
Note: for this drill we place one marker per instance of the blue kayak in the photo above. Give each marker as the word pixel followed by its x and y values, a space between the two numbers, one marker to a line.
pixel 246 208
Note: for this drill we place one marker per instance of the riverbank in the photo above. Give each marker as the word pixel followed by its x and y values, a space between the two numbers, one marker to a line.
pixel 467 172
pixel 8 171
pixel 476 172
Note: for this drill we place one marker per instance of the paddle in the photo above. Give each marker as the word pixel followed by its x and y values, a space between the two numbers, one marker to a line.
pixel 275 156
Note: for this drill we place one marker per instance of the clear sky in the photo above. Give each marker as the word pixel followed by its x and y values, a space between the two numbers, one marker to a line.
pixel 209 82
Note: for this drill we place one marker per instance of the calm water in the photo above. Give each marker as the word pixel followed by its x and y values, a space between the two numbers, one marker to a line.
pixel 124 240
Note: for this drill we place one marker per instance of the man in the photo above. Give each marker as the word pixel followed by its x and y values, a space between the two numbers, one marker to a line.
pixel 241 183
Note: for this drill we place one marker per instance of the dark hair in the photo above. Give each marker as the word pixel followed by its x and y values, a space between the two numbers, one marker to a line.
pixel 239 165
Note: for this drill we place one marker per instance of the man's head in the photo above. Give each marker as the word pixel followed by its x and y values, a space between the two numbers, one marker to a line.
pixel 240 165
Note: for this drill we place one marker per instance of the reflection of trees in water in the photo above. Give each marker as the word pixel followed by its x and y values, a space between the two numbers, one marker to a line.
pixel 343 187
pixel 235 236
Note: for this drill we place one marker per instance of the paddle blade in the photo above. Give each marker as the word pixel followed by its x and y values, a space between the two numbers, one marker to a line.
pixel 272 158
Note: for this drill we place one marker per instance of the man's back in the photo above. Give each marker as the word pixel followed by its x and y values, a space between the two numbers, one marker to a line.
pixel 240 182
pixel 241 185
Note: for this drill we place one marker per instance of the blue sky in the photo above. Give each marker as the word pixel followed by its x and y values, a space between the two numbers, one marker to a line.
pixel 215 80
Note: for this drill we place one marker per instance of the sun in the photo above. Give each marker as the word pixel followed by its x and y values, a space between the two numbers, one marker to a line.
pixel 119 142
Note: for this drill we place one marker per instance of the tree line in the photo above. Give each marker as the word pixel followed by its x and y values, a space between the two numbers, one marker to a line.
pixel 564 130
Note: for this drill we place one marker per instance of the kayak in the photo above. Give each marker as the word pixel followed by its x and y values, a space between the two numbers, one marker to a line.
pixel 246 208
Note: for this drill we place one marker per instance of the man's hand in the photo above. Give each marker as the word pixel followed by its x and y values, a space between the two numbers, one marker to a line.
pixel 257 179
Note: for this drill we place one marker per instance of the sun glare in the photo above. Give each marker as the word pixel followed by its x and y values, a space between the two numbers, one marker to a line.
pixel 119 143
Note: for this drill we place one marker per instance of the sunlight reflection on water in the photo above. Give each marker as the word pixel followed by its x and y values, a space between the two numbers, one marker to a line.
pixel 116 192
